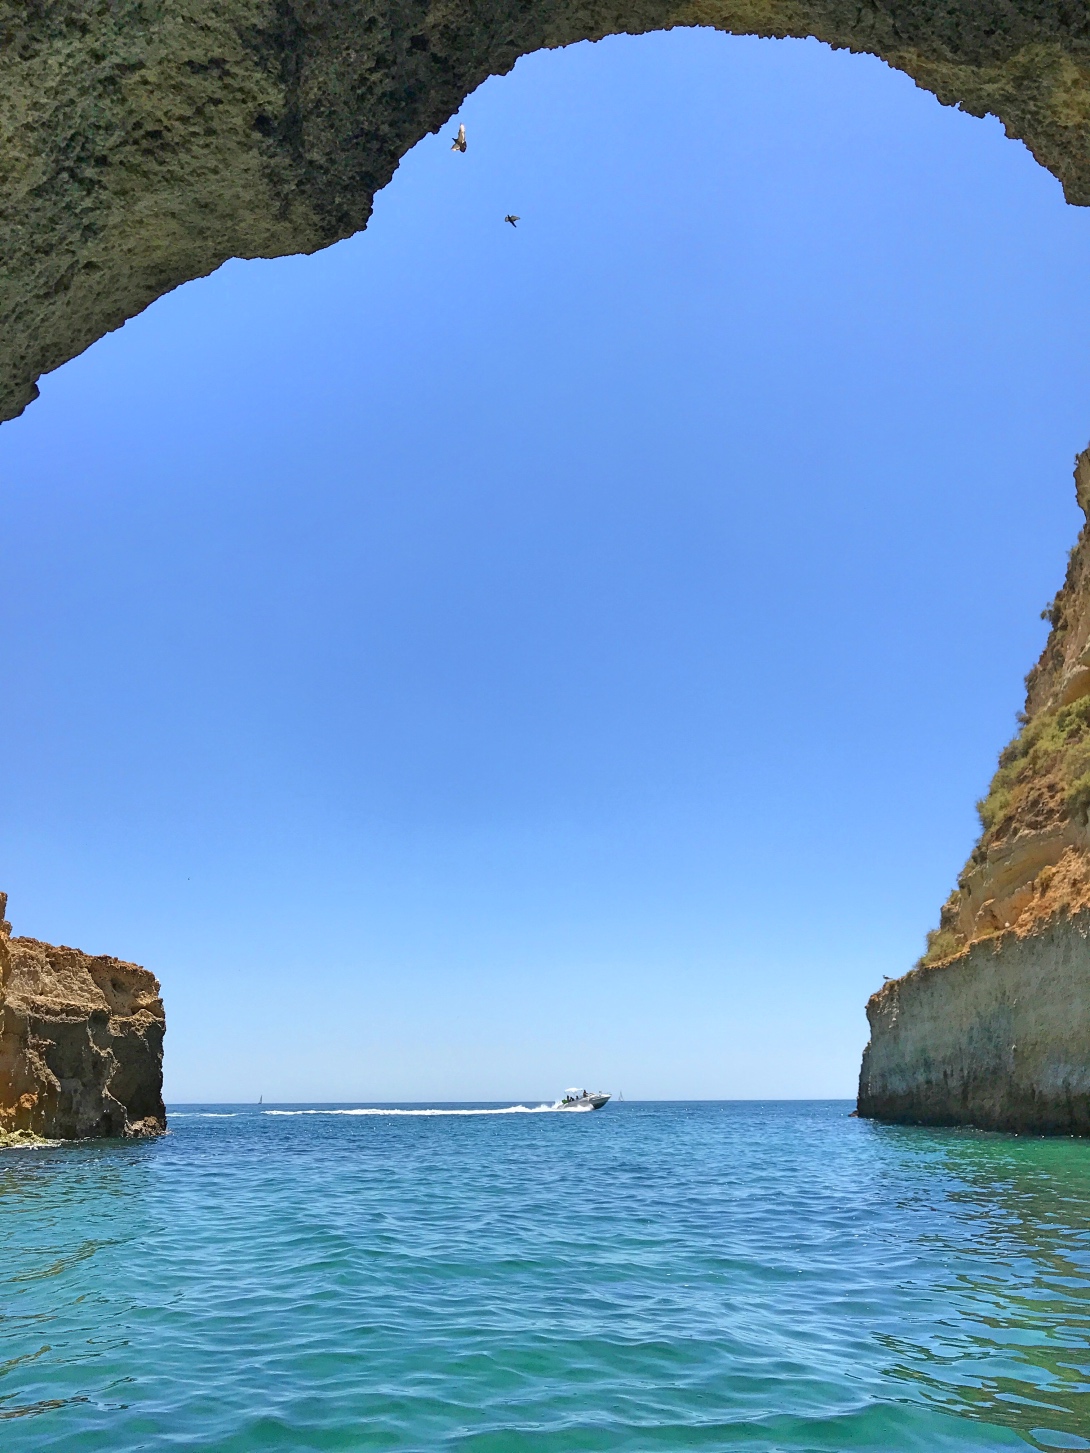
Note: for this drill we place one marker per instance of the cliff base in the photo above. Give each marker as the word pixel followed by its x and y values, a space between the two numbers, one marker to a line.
pixel 996 1039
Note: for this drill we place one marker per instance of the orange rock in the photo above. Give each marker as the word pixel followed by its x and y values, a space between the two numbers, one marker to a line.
pixel 81 1042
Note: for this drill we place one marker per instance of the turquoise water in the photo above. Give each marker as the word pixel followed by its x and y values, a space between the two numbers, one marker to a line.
pixel 653 1276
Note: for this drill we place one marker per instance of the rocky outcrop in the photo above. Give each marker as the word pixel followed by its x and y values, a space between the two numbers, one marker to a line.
pixel 81 1042
pixel 142 144
pixel 992 1028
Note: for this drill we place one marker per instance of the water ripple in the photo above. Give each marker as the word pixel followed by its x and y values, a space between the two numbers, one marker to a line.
pixel 763 1277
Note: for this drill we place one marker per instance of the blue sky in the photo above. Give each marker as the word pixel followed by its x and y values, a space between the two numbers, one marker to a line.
pixel 477 660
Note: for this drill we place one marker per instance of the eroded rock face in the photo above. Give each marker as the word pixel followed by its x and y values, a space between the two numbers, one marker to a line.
pixel 992 1028
pixel 142 144
pixel 81 1042
pixel 997 1038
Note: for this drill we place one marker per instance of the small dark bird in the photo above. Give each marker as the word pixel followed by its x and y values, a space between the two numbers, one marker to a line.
pixel 459 142
pixel 511 219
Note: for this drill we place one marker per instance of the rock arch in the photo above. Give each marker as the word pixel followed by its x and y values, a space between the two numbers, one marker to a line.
pixel 144 143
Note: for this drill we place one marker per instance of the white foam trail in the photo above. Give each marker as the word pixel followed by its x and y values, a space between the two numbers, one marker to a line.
pixel 506 1110
pixel 202 1115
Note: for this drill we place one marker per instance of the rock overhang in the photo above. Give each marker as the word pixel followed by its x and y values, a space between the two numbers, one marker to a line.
pixel 143 145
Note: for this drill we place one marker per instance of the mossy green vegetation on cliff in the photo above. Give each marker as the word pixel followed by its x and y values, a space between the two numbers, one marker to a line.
pixel 1033 853
pixel 1042 781
pixel 22 1140
pixel 1045 769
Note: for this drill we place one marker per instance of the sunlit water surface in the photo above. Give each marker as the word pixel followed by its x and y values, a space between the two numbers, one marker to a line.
pixel 659 1276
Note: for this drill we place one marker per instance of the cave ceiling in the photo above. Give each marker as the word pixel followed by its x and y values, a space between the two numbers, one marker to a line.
pixel 144 143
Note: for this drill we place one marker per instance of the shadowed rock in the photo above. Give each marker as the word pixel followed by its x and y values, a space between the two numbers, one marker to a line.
pixel 81 1042
pixel 143 144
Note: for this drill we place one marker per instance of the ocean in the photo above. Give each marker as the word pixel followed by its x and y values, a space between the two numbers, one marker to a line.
pixel 706 1276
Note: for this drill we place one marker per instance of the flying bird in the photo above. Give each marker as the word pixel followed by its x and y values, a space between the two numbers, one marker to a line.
pixel 459 142
pixel 511 219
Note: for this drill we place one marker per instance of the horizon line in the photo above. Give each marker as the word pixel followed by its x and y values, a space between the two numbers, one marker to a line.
pixel 649 1100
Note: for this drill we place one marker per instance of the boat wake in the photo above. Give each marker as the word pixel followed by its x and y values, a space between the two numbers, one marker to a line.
pixel 375 1110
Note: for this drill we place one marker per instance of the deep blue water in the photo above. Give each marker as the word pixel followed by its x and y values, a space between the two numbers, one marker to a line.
pixel 652 1276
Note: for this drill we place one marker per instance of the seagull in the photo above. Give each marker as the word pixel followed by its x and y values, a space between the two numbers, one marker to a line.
pixel 459 142
pixel 511 219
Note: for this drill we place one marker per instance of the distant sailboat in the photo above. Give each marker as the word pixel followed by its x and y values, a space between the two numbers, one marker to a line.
pixel 261 1099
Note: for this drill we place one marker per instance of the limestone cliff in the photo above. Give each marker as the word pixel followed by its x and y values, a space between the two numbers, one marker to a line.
pixel 998 1037
pixel 81 1042
pixel 142 144
pixel 992 1028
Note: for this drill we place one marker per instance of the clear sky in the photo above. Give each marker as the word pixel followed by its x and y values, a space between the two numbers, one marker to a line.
pixel 477 660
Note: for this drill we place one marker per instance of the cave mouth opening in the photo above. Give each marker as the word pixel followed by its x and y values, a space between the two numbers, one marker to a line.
pixel 669 511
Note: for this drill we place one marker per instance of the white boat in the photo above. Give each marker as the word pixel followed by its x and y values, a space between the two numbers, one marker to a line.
pixel 583 1100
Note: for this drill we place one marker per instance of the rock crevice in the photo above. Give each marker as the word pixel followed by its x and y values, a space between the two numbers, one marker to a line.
pixel 81 1042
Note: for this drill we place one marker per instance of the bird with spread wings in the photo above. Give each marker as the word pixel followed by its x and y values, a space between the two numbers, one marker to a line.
pixel 459 142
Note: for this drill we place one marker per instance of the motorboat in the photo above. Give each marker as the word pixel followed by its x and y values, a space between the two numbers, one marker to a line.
pixel 583 1100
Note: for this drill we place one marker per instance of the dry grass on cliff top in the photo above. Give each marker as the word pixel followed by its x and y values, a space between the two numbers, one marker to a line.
pixel 1060 888
pixel 1042 781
